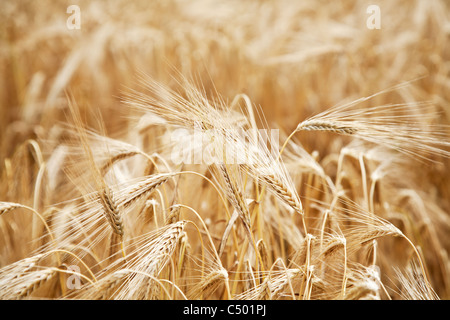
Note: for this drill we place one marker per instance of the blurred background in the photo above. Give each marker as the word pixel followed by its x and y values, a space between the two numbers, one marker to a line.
pixel 292 58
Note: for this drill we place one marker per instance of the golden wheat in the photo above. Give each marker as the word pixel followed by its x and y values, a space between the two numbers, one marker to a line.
pixel 315 151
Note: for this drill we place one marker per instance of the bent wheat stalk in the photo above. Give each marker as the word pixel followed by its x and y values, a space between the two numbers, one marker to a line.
pixel 395 126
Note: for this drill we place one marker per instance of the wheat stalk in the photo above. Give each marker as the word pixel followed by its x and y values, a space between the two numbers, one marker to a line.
pixel 395 126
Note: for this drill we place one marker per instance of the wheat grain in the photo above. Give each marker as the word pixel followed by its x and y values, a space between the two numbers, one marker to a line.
pixel 112 213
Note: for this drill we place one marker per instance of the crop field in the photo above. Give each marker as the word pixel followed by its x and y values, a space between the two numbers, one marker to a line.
pixel 225 150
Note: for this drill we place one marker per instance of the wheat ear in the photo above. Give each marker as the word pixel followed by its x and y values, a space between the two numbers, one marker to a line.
pixel 236 197
pixel 283 192
pixel 129 195
pixel 209 284
pixel 118 157
pixel 321 125
pixel 150 259
pixel 38 278
pixel 112 214
pixel 8 206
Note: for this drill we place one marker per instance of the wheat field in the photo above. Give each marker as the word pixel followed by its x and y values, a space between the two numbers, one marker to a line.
pixel 349 199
